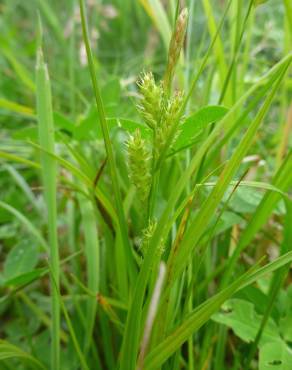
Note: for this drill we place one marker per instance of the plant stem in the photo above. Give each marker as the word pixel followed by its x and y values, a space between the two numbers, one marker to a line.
pixel 49 172
pixel 108 145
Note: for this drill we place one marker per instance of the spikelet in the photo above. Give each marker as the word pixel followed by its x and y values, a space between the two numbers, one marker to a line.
pixel 167 132
pixel 151 101
pixel 139 165
pixel 147 234
pixel 175 46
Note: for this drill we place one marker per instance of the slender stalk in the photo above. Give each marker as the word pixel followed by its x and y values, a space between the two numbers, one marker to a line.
pixel 71 62
pixel 92 261
pixel 49 173
pixel 108 145
pixel 189 36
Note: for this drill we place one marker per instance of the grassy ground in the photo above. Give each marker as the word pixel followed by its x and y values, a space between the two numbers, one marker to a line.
pixel 146 164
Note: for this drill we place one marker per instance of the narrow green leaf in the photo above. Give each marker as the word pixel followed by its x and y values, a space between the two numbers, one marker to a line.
pixel 92 262
pixel 123 229
pixel 27 223
pixel 25 278
pixel 8 350
pixel 177 262
pixel 49 174
pixel 16 108
pixel 203 313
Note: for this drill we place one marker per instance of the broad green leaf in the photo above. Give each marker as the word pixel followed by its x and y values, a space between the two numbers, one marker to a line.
pixel 111 94
pixel 286 326
pixel 245 199
pixel 255 296
pixel 196 123
pixel 227 220
pixel 131 126
pixel 8 230
pixel 21 258
pixel 242 318
pixel 88 129
pixel 63 123
pixel 275 356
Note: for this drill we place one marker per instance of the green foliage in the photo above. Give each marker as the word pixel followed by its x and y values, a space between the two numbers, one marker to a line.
pixel 8 350
pixel 275 356
pixel 194 125
pixel 21 259
pixel 241 316
pixel 152 136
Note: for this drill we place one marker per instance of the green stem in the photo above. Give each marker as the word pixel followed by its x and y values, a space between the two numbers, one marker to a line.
pixel 49 173
pixel 108 145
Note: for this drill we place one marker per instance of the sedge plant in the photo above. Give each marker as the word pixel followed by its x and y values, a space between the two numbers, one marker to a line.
pixel 145 221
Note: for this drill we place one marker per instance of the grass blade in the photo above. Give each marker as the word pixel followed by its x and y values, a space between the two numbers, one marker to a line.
pixel 108 145
pixel 202 313
pixel 213 200
pixel 92 261
pixel 49 173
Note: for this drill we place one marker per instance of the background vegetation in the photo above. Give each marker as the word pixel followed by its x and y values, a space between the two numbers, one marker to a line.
pixel 145 224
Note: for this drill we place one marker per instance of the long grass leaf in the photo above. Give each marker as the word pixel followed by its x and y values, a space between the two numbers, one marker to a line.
pixel 108 146
pixel 27 223
pixel 202 313
pixel 49 174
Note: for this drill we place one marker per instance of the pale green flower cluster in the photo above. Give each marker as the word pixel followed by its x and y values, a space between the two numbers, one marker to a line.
pixel 161 112
pixel 162 115
pixel 139 159
pixel 147 234
pixel 151 102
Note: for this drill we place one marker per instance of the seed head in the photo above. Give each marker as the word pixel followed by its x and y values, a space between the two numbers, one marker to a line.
pixel 167 131
pixel 139 165
pixel 175 46
pixel 151 100
pixel 147 234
